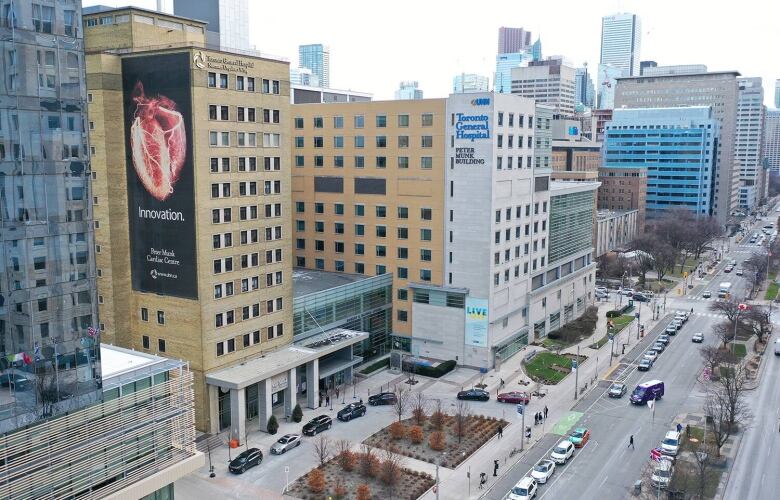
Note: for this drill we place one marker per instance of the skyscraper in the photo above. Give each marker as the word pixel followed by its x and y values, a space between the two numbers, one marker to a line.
pixel 505 63
pixel 584 91
pixel 549 81
pixel 470 82
pixel 747 142
pixel 228 20
pixel 49 329
pixel 772 141
pixel 621 38
pixel 777 93
pixel 536 50
pixel 512 40
pixel 316 57
pixel 608 75
pixel 408 90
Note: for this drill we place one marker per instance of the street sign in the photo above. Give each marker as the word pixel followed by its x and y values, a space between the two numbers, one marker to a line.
pixel 520 409
pixel 573 364
pixel 636 315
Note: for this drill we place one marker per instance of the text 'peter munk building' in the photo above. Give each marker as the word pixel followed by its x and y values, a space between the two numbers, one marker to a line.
pixel 48 316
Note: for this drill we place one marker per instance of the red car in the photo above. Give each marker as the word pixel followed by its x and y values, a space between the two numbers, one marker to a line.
pixel 514 397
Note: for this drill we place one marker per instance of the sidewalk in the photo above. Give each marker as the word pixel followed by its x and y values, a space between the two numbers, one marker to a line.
pixel 559 401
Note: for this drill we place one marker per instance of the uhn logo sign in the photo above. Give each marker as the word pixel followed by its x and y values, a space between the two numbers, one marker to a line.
pixel 482 101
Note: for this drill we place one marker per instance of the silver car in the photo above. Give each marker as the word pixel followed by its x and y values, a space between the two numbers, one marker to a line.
pixel 286 442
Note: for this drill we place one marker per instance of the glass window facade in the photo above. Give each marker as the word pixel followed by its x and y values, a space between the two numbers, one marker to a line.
pixel 571 224
pixel 363 305
pixel 46 237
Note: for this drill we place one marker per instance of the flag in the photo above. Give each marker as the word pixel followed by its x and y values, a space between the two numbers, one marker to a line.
pixel 26 358
pixel 37 352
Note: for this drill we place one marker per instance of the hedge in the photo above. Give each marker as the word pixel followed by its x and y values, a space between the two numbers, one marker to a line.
pixel 433 372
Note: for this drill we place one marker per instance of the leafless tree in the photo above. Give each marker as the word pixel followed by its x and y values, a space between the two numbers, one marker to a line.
pixel 716 413
pixel 402 402
pixel 712 356
pixel 367 461
pixel 322 449
pixel 729 307
pixel 731 388
pixel 461 418
pixel 663 254
pixel 700 234
pixel 755 269
pixel 702 464
pixel 390 472
pixel 724 331
pixel 437 416
pixel 419 407
pixel 759 321
pixel 46 391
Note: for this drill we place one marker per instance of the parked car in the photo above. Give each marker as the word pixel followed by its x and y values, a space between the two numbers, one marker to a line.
pixel 602 289
pixel 525 489
pixel 671 443
pixel 352 410
pixel 640 297
pixel 617 390
pixel 563 452
pixel 284 443
pixel 317 425
pixel 664 339
pixel 677 323
pixel 474 395
pixel 659 347
pixel 728 269
pixel 652 355
pixel 644 365
pixel 707 294
pixel 383 398
pixel 14 380
pixel 662 474
pixel 739 272
pixel 543 470
pixel 246 460
pixel 644 392
pixel 671 329
pixel 516 397
pixel 697 338
pixel 579 437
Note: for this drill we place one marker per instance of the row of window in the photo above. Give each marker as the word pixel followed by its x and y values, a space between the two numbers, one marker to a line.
pixel 244 139
pixel 402 253
pixel 249 212
pixel 359 141
pixel 359 121
pixel 519 211
pixel 360 210
pixel 245 188
pixel 243 114
pixel 526 250
pixel 248 284
pixel 160 316
pixel 248 312
pixel 249 339
pixel 360 268
pixel 245 164
pixel 246 237
pixel 536 263
pixel 225 264
pixel 426 162
pixel 511 120
pixel 510 141
pixel 402 233
pixel 146 343
pixel 243 83
pixel 518 232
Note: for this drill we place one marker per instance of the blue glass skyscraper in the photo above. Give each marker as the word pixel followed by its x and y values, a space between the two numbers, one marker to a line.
pixel 677 146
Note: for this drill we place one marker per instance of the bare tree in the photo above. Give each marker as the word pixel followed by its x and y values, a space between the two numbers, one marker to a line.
pixel 755 269
pixel 664 255
pixel 46 392
pixel 712 356
pixel 419 406
pixel 701 233
pixel 367 461
pixel 724 331
pixel 322 449
pixel 702 464
pixel 391 466
pixel 437 416
pixel 731 389
pixel 729 307
pixel 759 320
pixel 716 413
pixel 402 402
pixel 461 418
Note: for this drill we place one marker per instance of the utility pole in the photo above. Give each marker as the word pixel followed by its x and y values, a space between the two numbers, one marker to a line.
pixel 576 374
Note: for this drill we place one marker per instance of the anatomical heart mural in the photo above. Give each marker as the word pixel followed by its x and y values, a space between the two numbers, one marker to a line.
pixel 158 142
pixel 160 173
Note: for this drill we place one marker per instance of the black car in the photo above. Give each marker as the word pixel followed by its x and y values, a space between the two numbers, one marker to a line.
pixel 474 395
pixel 18 382
pixel 639 297
pixel 317 425
pixel 352 410
pixel 383 398
pixel 246 460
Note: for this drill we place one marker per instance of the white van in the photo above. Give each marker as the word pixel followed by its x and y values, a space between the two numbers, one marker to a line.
pixel 671 443
pixel 777 347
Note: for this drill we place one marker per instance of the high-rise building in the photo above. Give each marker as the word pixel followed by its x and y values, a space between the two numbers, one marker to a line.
pixel 303 76
pixel 621 40
pixel 777 93
pixel 418 186
pixel 470 82
pixel 748 137
pixel 228 20
pixel 536 50
pixel 718 90
pixel 677 69
pixel 49 330
pixel 676 146
pixel 622 189
pixel 505 63
pixel 643 65
pixel 511 40
pixel 316 57
pixel 408 90
pixel 583 87
pixel 194 234
pixel 772 141
pixel 550 81
pixel 607 79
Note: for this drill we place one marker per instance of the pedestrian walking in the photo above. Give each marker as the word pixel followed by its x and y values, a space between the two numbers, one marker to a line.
pixel 540 418
pixel 327 400
pixel 337 392
pixel 501 384
pixel 679 427
pixel 545 412
pixel 500 432
pixel 631 442
pixel 482 480
pixel 528 433
pixel 536 419
pixel 495 468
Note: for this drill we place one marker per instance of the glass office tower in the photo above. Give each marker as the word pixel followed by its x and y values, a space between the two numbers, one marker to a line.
pixel 49 331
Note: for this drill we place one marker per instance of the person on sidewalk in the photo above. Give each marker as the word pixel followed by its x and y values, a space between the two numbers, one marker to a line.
pixel 500 432
pixel 631 442
pixel 545 412
pixel 495 468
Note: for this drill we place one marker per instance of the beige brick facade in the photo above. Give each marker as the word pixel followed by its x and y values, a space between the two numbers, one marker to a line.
pixel 189 331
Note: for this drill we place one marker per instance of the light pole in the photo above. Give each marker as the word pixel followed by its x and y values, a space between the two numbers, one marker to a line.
pixel 576 374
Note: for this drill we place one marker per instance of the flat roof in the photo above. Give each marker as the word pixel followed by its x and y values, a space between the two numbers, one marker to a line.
pixel 679 75
pixel 114 360
pixel 609 213
pixel 559 187
pixel 307 281
pixel 104 9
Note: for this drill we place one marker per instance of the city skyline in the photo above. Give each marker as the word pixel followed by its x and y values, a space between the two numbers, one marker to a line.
pixel 666 39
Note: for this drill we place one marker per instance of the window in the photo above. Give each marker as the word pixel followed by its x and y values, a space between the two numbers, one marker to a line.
pixel 426 141
pixel 427 119
pixel 338 208
pixel 402 253
pixel 360 210
pixel 381 231
pixel 318 122
pixel 319 207
pixel 381 211
pixel 318 142
pixel 360 121
pixel 271 140
pixel 403 162
pixel 401 315
pixel 160 317
pixel 425 255
pixel 425 234
pixel 300 207
pixel 269 115
pixel 42 17
pixel 381 141
pixel 298 122
pixel 219 139
pixel 403 120
pixel 338 141
pixel 403 233
pixel 426 162
pixel 360 162
pixel 359 141
pixel 338 122
pixel 403 141
pixel 381 121
pixel 360 249
pixel 161 345
pixel 426 214
pixel 144 314
pixel 425 274
pixel 381 162
pixel 360 230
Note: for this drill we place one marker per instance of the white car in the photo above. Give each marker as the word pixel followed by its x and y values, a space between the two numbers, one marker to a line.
pixel 671 443
pixel 602 289
pixel 652 355
pixel 286 442
pixel 525 489
pixel 563 452
pixel 543 470
pixel 662 474
pixel 739 272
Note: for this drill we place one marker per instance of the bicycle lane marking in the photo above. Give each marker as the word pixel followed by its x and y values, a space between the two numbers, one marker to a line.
pixel 565 423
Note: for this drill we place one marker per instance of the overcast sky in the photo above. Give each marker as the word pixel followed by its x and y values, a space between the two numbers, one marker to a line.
pixel 375 45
